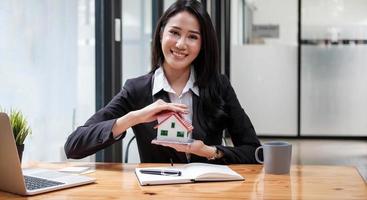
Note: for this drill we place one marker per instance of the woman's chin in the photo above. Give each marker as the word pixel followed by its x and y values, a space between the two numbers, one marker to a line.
pixel 178 64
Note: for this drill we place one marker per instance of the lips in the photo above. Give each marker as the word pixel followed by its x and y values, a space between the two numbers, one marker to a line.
pixel 178 54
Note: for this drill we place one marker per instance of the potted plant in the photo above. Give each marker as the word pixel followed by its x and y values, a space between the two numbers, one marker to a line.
pixel 20 130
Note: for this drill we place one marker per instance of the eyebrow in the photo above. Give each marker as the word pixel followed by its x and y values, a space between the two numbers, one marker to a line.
pixel 191 31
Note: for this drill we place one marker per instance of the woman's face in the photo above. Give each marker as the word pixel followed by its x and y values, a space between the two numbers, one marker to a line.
pixel 181 41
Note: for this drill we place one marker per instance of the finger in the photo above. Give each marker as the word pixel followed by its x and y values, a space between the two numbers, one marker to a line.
pixel 182 148
pixel 160 101
pixel 188 148
pixel 159 143
pixel 178 148
pixel 179 105
pixel 165 105
pixel 182 109
pixel 174 108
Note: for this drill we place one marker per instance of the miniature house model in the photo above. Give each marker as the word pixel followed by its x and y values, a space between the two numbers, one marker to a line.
pixel 173 127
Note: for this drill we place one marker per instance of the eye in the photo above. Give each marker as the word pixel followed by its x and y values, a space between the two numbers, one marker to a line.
pixel 173 32
pixel 193 37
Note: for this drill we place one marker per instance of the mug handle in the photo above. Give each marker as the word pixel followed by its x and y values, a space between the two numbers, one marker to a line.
pixel 257 156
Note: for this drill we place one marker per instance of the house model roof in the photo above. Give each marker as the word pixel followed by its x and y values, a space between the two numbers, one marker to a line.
pixel 163 116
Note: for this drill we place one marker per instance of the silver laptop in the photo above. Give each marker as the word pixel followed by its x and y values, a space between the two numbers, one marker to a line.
pixel 33 181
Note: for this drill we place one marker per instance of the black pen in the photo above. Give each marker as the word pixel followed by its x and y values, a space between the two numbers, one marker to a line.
pixel 161 172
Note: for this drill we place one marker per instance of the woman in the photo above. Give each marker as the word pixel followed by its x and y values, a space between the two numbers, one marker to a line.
pixel 185 78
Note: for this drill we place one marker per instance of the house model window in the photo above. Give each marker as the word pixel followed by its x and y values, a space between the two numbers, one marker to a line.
pixel 173 127
pixel 180 134
pixel 164 133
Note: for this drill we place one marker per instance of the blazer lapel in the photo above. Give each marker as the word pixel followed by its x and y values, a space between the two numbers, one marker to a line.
pixel 161 95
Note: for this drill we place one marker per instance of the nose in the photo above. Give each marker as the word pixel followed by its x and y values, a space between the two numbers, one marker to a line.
pixel 181 43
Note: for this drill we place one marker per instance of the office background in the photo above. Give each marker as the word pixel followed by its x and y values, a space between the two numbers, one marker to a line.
pixel 298 66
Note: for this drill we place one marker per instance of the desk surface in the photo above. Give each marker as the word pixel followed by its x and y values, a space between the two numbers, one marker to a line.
pixel 118 181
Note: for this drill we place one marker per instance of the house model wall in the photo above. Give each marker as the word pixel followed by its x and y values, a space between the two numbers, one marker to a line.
pixel 172 127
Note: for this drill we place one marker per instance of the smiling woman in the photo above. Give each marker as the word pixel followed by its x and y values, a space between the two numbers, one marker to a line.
pixel 185 79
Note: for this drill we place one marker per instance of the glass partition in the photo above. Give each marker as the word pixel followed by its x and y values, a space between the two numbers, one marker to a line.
pixel 264 63
pixel 47 70
pixel 333 83
pixel 136 38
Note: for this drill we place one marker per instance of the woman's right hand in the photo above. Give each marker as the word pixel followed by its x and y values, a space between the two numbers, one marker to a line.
pixel 149 113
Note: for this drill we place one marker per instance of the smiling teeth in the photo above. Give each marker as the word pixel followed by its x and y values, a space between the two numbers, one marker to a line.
pixel 178 54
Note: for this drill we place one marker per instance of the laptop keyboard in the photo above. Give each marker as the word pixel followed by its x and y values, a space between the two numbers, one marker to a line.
pixel 33 183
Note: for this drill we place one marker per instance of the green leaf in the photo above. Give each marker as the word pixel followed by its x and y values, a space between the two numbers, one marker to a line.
pixel 19 125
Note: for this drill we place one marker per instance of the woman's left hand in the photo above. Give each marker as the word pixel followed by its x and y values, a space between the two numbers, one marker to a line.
pixel 196 147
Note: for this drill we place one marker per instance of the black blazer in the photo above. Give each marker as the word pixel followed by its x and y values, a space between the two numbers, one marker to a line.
pixel 96 133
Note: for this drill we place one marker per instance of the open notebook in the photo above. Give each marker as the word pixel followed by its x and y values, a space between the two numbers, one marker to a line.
pixel 189 173
pixel 30 181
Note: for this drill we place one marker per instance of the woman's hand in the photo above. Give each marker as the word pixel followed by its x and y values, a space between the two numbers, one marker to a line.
pixel 146 114
pixel 196 147
pixel 149 113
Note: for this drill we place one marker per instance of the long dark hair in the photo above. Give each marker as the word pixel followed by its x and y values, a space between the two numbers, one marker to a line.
pixel 206 64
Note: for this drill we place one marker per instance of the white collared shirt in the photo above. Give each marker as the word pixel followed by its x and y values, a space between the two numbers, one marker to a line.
pixel 161 83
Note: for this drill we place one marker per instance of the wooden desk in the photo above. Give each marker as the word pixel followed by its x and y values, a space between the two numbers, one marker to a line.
pixel 118 181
